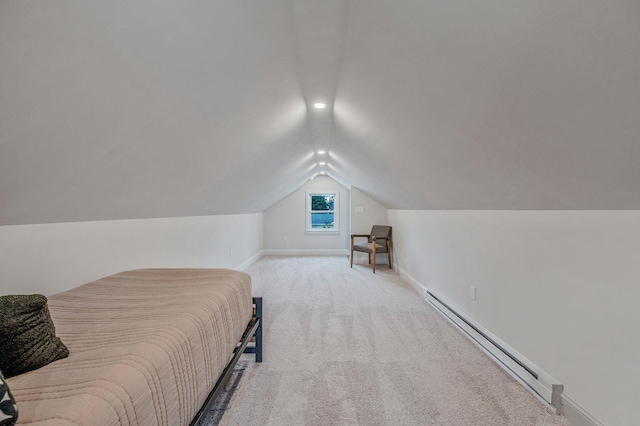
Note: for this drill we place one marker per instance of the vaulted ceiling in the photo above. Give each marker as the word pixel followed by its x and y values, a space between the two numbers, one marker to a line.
pixel 149 108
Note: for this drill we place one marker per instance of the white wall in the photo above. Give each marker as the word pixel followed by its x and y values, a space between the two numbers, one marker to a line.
pixel 287 220
pixel 50 258
pixel 373 214
pixel 561 287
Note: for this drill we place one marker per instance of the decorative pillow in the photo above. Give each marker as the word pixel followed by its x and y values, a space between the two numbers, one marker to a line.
pixel 8 408
pixel 27 335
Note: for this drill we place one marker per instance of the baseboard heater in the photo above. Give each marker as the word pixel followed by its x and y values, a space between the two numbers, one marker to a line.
pixel 540 384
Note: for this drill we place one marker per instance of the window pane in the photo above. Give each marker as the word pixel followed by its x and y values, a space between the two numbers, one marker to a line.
pixel 322 220
pixel 323 215
pixel 322 202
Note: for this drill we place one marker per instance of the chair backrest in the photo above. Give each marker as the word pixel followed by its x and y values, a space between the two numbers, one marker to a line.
pixel 380 231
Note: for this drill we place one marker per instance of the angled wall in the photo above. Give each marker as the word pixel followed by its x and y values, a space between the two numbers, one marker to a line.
pixel 560 287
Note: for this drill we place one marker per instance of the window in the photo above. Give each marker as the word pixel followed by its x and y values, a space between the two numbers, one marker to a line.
pixel 323 214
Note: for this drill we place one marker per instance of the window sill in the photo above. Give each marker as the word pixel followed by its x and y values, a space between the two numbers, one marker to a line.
pixel 320 232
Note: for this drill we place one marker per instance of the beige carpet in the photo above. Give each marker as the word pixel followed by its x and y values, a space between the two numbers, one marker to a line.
pixel 346 347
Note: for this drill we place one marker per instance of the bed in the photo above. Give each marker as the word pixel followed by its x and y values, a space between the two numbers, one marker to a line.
pixel 146 347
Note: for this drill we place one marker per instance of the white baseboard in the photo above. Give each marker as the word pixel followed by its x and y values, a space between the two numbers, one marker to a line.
pixel 577 415
pixel 253 259
pixel 306 252
pixel 419 288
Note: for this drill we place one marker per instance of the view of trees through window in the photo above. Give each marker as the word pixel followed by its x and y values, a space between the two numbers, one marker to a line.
pixel 322 211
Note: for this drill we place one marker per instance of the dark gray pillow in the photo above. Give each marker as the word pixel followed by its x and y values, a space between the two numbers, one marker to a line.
pixel 27 335
pixel 8 408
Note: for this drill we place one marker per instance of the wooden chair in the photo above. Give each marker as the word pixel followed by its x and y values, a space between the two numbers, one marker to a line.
pixel 378 241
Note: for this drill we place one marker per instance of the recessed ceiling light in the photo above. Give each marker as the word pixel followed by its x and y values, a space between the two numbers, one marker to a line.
pixel 320 105
pixel 321 152
pixel 322 163
pixel 323 173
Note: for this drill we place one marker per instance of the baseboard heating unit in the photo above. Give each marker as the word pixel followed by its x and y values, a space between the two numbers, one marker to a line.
pixel 545 388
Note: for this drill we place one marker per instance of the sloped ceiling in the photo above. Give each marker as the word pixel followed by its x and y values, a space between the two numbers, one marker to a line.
pixel 148 108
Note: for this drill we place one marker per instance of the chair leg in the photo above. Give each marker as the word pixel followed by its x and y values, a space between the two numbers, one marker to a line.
pixel 351 257
pixel 374 257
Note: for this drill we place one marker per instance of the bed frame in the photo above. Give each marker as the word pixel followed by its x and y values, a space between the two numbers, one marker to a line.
pixel 254 329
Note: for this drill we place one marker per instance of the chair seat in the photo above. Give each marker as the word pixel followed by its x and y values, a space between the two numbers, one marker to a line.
pixel 368 248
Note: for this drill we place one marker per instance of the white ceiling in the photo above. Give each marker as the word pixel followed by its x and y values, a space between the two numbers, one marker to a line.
pixel 121 109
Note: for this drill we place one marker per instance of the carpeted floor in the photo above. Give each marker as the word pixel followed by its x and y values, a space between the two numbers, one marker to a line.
pixel 221 403
pixel 347 347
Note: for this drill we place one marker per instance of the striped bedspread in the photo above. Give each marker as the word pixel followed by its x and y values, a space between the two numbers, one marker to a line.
pixel 146 348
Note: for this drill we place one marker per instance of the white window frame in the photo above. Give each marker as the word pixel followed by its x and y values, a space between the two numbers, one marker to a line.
pixel 336 214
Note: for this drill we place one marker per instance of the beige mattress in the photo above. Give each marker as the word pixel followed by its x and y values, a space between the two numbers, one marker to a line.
pixel 146 348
